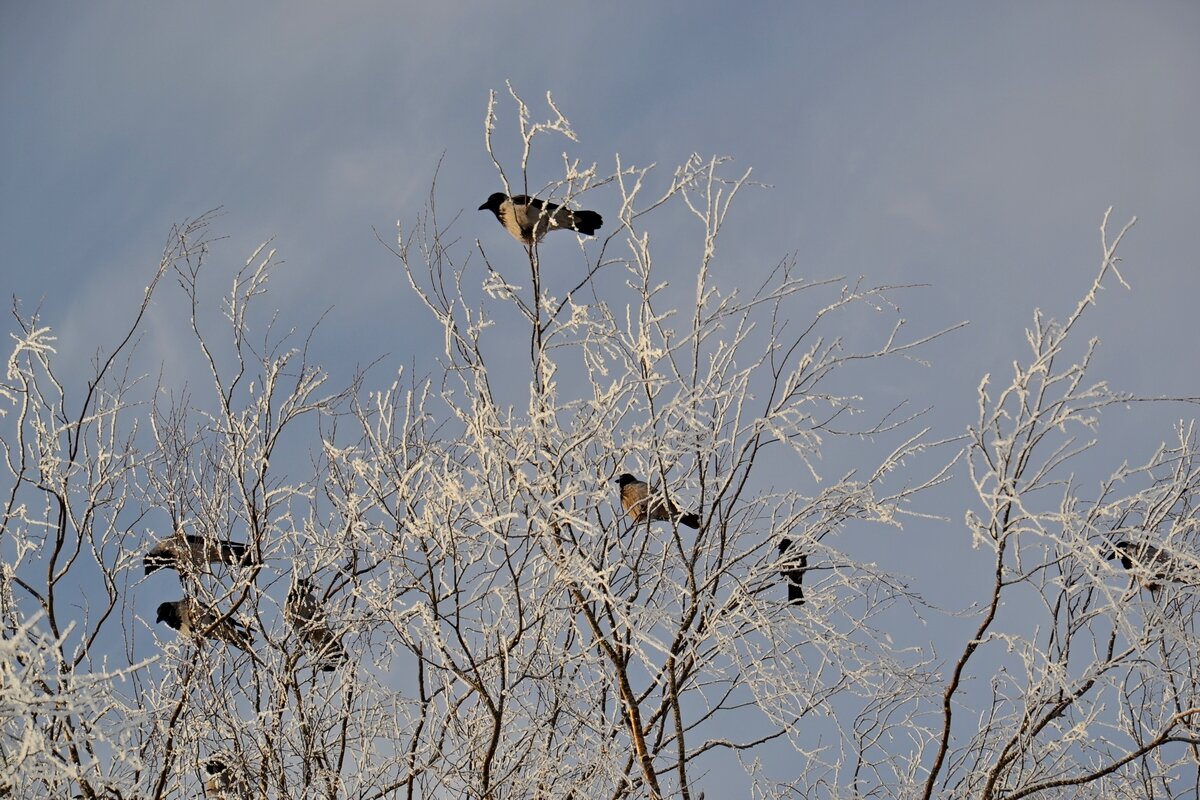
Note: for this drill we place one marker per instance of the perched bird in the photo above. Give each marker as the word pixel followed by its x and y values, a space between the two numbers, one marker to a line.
pixel 635 497
pixel 793 572
pixel 186 551
pixel 1149 564
pixel 308 618
pixel 529 219
pixel 225 783
pixel 194 620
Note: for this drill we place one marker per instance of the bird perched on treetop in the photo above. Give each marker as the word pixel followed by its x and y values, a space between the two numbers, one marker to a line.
pixel 635 497
pixel 185 552
pixel 793 572
pixel 529 219
pixel 1151 562
pixel 308 618
pixel 193 620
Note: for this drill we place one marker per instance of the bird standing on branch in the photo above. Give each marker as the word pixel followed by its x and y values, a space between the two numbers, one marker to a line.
pixel 1149 564
pixel 529 219
pixel 224 783
pixel 184 552
pixel 635 497
pixel 308 618
pixel 194 620
pixel 793 572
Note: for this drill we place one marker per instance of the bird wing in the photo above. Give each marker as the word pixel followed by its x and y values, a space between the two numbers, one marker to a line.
pixel 161 555
pixel 534 202
pixel 306 616
pixel 1164 565
pixel 210 551
pixel 661 508
pixel 537 217
pixel 640 502
pixel 301 610
pixel 227 630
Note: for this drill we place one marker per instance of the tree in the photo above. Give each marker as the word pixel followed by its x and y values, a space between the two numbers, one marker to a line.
pixel 511 631
pixel 1105 681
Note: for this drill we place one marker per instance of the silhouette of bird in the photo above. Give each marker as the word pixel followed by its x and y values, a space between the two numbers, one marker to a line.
pixel 1150 565
pixel 308 618
pixel 225 783
pixel 529 219
pixel 635 497
pixel 184 552
pixel 793 572
pixel 194 620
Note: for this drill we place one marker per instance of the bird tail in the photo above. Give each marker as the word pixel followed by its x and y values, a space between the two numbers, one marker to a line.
pixel 795 593
pixel 586 222
pixel 238 554
pixel 333 656
pixel 243 637
pixel 691 520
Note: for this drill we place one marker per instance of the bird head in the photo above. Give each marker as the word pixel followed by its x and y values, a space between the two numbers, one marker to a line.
pixel 300 587
pixel 214 766
pixel 493 202
pixel 625 479
pixel 1121 550
pixel 169 613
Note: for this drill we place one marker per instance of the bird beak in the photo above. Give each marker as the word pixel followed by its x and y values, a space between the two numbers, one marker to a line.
pixel 482 207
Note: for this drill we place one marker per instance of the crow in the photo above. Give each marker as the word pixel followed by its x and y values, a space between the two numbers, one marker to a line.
pixel 308 618
pixel 193 620
pixel 635 497
pixel 793 572
pixel 1153 564
pixel 223 783
pixel 529 219
pixel 185 552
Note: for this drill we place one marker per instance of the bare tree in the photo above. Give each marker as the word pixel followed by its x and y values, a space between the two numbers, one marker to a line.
pixel 1090 697
pixel 441 594
pixel 70 454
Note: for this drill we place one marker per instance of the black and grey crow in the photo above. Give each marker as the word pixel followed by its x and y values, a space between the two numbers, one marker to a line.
pixel 529 219
pixel 224 783
pixel 192 619
pixel 793 572
pixel 1149 564
pixel 308 618
pixel 185 552
pixel 635 497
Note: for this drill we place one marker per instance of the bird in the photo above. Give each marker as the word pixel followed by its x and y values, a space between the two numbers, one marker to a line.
pixel 635 497
pixel 529 219
pixel 1155 564
pixel 194 620
pixel 308 618
pixel 793 572
pixel 223 783
pixel 184 552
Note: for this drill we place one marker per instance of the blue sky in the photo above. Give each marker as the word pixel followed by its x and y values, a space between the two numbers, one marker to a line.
pixel 971 147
